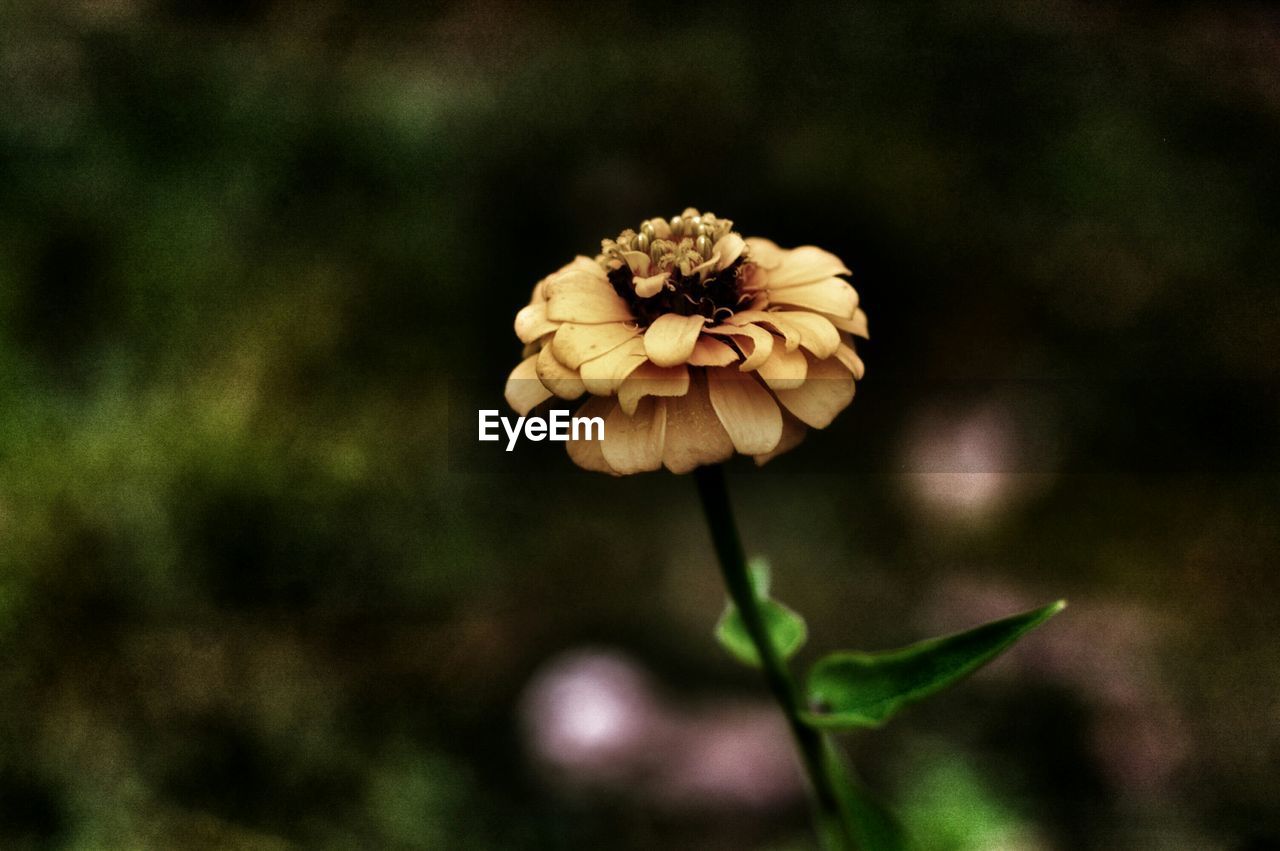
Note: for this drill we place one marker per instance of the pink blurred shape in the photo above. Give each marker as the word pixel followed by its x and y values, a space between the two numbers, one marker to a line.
pixel 593 722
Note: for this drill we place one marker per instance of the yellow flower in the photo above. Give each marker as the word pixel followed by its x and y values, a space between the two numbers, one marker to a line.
pixel 692 343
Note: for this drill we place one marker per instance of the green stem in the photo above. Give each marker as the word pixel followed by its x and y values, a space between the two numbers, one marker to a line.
pixel 714 492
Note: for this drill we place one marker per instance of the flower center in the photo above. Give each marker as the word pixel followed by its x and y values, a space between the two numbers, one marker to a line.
pixel 680 250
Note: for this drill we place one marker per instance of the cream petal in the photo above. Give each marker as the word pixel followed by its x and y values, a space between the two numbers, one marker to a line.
pixel 601 376
pixel 805 265
pixel 694 434
pixel 816 333
pixel 661 229
pixel 711 352
pixel 649 379
pixel 560 379
pixel 826 392
pixel 856 325
pixel 851 361
pixel 532 322
pixel 753 283
pixel 745 409
pixel 832 296
pixel 765 253
pixel 784 370
pixel 524 390
pixel 575 344
pixel 789 334
pixel 689 270
pixel 633 444
pixel 793 432
pixel 755 342
pixel 586 297
pixel 638 261
pixel 670 339
pixel 758 300
pixel 650 286
pixel 589 454
pixel 728 248
pixel 581 263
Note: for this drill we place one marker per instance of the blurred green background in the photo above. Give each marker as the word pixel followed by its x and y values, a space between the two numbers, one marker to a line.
pixel 256 257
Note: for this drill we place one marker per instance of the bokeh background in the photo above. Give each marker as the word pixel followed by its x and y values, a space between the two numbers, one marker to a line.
pixel 258 265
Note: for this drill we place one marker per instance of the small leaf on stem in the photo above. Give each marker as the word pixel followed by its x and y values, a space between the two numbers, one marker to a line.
pixel 787 630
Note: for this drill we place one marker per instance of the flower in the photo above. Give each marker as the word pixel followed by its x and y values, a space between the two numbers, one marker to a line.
pixel 692 343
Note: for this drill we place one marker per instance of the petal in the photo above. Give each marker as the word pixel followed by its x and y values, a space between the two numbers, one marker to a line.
pixel 650 286
pixel 728 248
pixel 633 444
pixel 856 325
pixel 694 433
pixel 671 338
pixel 790 334
pixel 638 261
pixel 832 296
pixel 581 296
pixel 588 454
pixel 784 370
pixel 793 432
pixel 649 379
pixel 560 379
pixel 755 342
pixel 601 376
pixel 713 262
pixel 765 253
pixel 574 344
pixel 581 263
pixel 816 333
pixel 757 300
pixel 709 351
pixel 826 392
pixel 851 361
pixel 532 322
pixel 805 265
pixel 524 390
pixel 746 410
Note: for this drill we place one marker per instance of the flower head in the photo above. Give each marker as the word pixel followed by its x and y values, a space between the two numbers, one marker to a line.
pixel 692 343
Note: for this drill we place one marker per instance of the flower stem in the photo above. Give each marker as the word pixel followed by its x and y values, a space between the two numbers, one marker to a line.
pixel 714 492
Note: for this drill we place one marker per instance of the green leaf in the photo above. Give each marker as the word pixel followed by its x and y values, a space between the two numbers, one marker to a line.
pixel 866 821
pixel 852 689
pixel 760 575
pixel 786 628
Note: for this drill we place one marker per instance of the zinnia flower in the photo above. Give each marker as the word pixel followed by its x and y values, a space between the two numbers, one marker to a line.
pixel 692 343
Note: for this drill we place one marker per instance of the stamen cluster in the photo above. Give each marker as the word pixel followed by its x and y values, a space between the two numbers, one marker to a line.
pixel 683 249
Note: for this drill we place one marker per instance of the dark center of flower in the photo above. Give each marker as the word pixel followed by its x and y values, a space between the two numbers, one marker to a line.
pixel 716 296
pixel 678 250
